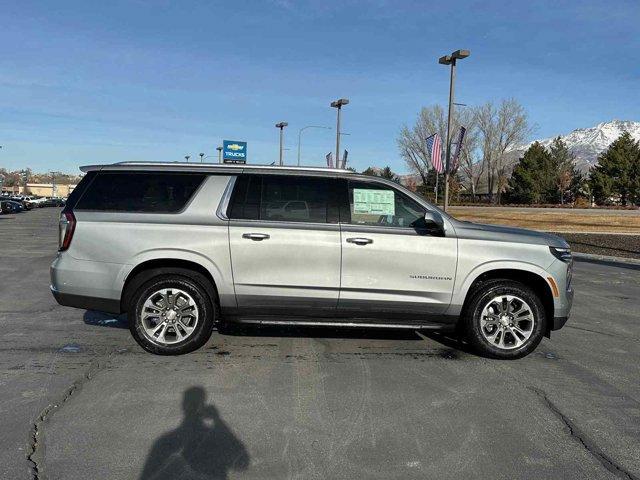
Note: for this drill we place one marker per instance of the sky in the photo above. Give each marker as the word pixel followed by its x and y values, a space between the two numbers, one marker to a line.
pixel 85 82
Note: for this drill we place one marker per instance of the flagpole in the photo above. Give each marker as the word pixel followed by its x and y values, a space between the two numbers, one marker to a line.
pixel 437 176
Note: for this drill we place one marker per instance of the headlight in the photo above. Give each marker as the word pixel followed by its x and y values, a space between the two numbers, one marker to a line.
pixel 563 254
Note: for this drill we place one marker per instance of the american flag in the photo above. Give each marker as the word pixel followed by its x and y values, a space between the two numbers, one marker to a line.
pixel 434 146
pixel 344 160
pixel 329 158
pixel 456 155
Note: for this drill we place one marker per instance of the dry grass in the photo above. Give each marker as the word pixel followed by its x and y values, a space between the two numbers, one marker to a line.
pixel 609 221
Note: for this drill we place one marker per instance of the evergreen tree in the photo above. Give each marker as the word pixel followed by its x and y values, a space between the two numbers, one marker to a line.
pixel 387 173
pixel 563 165
pixel 532 177
pixel 618 172
pixel 428 189
pixel 578 187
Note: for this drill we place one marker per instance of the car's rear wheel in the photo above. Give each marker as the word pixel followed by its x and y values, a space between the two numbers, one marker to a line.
pixel 504 319
pixel 171 315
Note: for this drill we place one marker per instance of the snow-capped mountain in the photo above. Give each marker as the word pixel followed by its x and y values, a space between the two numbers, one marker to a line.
pixel 587 143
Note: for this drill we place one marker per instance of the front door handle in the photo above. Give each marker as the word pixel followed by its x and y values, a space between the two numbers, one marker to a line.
pixel 255 236
pixel 360 240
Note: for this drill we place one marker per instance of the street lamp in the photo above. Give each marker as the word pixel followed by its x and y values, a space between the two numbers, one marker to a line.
pixel 187 157
pixel 300 135
pixel 53 183
pixel 450 60
pixel 281 126
pixel 201 157
pixel 219 149
pixel 338 104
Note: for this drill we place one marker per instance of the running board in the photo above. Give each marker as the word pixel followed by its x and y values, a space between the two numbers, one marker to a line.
pixel 301 322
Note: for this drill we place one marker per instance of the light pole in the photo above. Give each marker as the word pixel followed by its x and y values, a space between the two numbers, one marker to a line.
pixel 201 156
pixel 338 104
pixel 53 183
pixel 187 157
pixel 219 149
pixel 300 136
pixel 281 126
pixel 450 60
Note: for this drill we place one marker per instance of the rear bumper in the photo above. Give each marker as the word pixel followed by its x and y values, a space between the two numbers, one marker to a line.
pixel 87 303
pixel 86 284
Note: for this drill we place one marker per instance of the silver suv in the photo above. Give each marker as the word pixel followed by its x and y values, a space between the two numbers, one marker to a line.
pixel 183 247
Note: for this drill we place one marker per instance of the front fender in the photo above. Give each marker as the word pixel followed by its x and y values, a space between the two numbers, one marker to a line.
pixel 464 282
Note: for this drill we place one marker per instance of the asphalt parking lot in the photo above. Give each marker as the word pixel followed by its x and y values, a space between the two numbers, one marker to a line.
pixel 79 399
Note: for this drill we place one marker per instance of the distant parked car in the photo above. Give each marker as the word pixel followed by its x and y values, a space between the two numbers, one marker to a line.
pixel 53 202
pixel 10 206
pixel 5 207
pixel 38 201
pixel 26 202
pixel 295 209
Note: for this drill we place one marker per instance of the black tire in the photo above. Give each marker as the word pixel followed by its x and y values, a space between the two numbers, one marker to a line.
pixel 191 283
pixel 481 297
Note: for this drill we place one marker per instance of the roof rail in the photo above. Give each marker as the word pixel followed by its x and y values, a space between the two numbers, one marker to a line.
pixel 208 167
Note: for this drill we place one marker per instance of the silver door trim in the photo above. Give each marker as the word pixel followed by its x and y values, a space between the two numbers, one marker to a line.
pixel 257 224
pixel 356 228
pixel 221 211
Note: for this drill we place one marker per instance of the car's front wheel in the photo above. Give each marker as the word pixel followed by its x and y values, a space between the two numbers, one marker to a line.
pixel 171 315
pixel 504 319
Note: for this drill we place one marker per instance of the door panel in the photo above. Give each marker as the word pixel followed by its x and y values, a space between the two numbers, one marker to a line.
pixel 392 260
pixel 285 244
pixel 396 272
pixel 295 270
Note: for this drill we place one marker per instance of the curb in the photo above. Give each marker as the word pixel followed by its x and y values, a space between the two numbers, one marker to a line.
pixel 606 258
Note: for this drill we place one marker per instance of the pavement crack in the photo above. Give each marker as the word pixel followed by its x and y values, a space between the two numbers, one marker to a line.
pixel 601 333
pixel 589 445
pixel 35 448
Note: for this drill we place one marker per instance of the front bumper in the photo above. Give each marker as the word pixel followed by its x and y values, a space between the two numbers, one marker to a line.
pixel 558 322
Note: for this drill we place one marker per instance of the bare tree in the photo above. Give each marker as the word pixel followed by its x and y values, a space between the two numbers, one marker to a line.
pixel 502 129
pixel 470 162
pixel 412 142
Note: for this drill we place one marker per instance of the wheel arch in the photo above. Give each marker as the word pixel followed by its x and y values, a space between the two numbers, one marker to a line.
pixel 150 268
pixel 534 280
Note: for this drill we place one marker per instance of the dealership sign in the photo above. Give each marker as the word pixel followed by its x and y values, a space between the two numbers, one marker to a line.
pixel 234 152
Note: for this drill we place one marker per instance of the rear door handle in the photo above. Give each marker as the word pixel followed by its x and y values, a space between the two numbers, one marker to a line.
pixel 255 236
pixel 360 240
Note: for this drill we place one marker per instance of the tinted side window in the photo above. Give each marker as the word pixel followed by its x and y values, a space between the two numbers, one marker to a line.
pixel 79 190
pixel 284 198
pixel 294 199
pixel 377 204
pixel 245 200
pixel 146 192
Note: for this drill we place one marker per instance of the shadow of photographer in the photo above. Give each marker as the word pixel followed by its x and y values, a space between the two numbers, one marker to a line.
pixel 202 447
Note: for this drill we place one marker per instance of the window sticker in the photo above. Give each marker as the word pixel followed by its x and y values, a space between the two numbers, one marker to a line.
pixel 374 202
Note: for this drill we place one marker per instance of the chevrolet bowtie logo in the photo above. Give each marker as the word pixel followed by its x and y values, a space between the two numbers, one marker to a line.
pixel 235 147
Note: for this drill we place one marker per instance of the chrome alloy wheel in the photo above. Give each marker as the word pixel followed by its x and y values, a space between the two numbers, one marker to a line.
pixel 169 316
pixel 507 322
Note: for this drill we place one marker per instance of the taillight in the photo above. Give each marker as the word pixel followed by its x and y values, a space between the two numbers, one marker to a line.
pixel 65 230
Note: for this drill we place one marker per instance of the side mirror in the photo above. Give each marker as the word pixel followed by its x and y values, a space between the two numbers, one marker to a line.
pixel 432 218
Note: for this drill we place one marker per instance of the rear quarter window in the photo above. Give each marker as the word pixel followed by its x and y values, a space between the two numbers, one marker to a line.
pixel 142 192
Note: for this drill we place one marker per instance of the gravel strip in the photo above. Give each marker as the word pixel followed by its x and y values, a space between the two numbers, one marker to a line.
pixel 627 246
